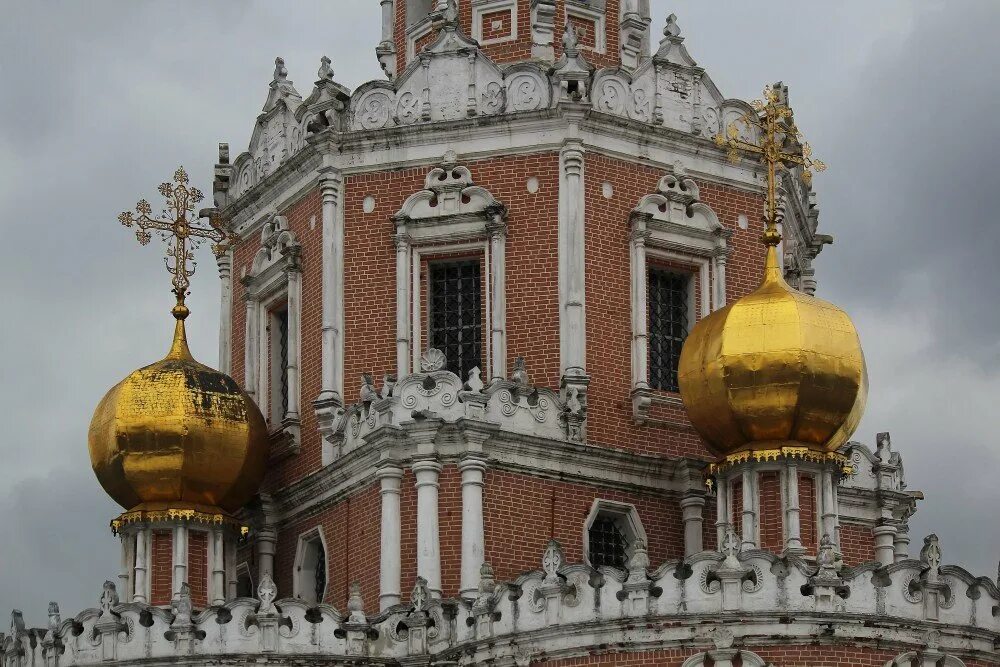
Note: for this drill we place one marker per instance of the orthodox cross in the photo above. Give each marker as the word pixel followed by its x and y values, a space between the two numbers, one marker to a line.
pixel 780 147
pixel 177 226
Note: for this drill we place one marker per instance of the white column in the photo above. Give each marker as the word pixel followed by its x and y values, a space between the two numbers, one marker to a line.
pixel 692 508
pixel 885 543
pixel 473 535
pixel 250 349
pixel 640 324
pixel 139 581
pixel 402 240
pixel 721 255
pixel 428 541
pixel 180 558
pixel 294 340
pixel 498 296
pixel 723 490
pixel 390 570
pixel 225 262
pixel 829 516
pixel 332 367
pixel 266 540
pixel 902 542
pixel 572 316
pixel 793 528
pixel 749 515
pixel 387 20
pixel 127 558
pixel 217 551
pixel 229 555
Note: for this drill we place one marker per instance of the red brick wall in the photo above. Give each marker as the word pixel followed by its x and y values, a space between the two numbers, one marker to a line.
pixel 351 529
pixel 857 544
pixel 522 513
pixel 197 569
pixel 807 512
pixel 608 285
pixel 161 569
pixel 772 537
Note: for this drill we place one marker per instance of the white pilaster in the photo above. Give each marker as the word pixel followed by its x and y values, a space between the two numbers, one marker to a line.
pixel 217 565
pixel 692 509
pixel 473 534
pixel 251 352
pixel 793 529
pixel 294 341
pixel 390 571
pixel 719 297
pixel 402 241
pixel 749 509
pixel 180 559
pixel 885 547
pixel 142 538
pixel 388 19
pixel 332 370
pixel 572 316
pixel 497 230
pixel 723 490
pixel 428 540
pixel 640 323
pixel 225 262
pixel 829 512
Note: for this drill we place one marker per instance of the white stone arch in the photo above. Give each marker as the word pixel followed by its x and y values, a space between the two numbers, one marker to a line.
pixel 627 518
pixel 306 561
pixel 725 657
pixel 914 659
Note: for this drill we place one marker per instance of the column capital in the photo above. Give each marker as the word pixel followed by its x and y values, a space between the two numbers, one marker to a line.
pixel 389 470
pixel 473 463
pixel 693 498
pixel 426 466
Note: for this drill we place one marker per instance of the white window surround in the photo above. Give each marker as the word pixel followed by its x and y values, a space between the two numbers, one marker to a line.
pixel 594 17
pixel 306 559
pixel 450 216
pixel 480 8
pixel 627 517
pixel 274 282
pixel 914 659
pixel 671 224
pixel 414 33
pixel 724 656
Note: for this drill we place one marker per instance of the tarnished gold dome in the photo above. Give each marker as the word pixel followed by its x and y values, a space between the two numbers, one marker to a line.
pixel 777 368
pixel 178 435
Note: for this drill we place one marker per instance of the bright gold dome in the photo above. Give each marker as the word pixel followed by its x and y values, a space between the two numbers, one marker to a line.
pixel 777 368
pixel 178 434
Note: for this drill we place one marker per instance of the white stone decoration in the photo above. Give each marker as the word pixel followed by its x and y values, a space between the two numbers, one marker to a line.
pixel 531 185
pixel 368 205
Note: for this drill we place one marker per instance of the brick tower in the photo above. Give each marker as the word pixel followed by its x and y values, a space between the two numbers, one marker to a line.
pixel 459 297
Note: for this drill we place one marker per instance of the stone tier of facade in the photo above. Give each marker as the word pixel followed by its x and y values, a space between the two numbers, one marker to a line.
pixel 711 609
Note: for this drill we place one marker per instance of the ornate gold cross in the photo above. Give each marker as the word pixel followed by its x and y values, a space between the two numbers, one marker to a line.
pixel 177 225
pixel 780 147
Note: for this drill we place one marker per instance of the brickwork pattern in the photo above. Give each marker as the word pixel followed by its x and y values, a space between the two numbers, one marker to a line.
pixel 161 569
pixel 522 513
pixel 772 534
pixel 197 569
pixel 857 544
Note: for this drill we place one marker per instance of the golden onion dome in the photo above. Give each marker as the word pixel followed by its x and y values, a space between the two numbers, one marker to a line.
pixel 178 435
pixel 777 368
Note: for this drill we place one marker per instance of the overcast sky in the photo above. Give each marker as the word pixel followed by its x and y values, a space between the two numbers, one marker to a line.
pixel 105 99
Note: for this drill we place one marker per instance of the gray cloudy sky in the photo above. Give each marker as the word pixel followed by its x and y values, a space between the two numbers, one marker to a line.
pixel 105 99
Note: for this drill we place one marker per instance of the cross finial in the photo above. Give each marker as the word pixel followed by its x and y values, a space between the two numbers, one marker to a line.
pixel 780 146
pixel 177 226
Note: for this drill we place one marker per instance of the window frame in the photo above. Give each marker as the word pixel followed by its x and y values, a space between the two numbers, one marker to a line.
pixel 692 278
pixel 480 8
pixel 627 517
pixel 304 573
pixel 597 18
pixel 479 260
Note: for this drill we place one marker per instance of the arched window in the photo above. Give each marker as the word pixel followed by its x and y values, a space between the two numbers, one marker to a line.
pixel 310 567
pixel 611 533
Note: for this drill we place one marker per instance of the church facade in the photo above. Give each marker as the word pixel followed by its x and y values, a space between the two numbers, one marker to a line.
pixel 459 298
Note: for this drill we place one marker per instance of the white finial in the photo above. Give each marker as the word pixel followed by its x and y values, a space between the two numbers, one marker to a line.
pixel 325 71
pixel 280 72
pixel 671 29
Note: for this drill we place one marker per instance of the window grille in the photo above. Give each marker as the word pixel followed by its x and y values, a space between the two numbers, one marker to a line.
pixel 668 325
pixel 282 319
pixel 455 314
pixel 320 572
pixel 607 543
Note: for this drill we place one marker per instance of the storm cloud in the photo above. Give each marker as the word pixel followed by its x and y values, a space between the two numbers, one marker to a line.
pixel 104 99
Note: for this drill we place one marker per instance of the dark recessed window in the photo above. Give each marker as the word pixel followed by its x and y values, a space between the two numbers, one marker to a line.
pixel 669 315
pixel 607 544
pixel 455 314
pixel 281 318
pixel 320 572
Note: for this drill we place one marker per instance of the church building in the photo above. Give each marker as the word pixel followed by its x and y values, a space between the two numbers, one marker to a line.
pixel 521 363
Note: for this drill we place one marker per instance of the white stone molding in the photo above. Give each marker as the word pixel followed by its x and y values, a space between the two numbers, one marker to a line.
pixel 225 263
pixel 473 534
pixel 572 261
pixel 926 658
pixel 671 224
pixel 625 516
pixel 275 278
pixel 390 564
pixel 428 540
pixel 306 561
pixel 481 8
pixel 277 134
pixel 724 657
pixel 451 215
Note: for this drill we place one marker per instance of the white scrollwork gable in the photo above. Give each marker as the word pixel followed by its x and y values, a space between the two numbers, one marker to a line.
pixel 373 106
pixel 678 215
pixel 528 88
pixel 448 193
pixel 618 94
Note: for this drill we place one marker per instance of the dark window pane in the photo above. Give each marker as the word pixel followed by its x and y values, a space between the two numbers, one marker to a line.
pixel 607 543
pixel 668 325
pixel 282 318
pixel 320 572
pixel 455 316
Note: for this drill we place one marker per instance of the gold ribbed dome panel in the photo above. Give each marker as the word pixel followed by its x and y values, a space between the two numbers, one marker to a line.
pixel 178 433
pixel 775 368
